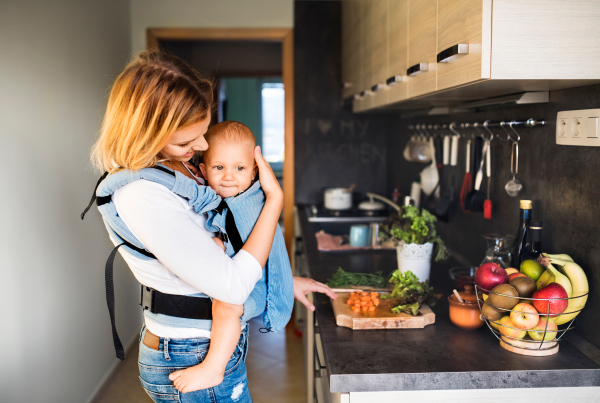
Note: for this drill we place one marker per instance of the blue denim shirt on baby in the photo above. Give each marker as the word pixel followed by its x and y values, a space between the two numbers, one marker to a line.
pixel 273 294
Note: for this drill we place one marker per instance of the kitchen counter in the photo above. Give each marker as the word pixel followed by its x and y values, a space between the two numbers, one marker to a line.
pixel 437 357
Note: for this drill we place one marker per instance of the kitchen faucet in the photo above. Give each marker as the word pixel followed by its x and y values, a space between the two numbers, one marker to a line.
pixel 387 201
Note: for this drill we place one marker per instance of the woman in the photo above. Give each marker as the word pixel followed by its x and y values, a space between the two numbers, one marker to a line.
pixel 158 111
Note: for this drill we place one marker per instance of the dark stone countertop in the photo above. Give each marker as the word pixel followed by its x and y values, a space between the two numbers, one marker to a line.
pixel 440 356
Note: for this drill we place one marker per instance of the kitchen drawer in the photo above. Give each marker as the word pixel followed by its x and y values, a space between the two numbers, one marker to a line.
pixel 422 21
pixel 465 26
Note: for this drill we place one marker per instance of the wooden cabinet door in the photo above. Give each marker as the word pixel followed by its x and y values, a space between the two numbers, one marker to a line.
pixel 422 21
pixel 398 49
pixel 352 48
pixel 378 25
pixel 465 26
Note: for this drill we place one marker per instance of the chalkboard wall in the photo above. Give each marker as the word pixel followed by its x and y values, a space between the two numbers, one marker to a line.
pixel 336 148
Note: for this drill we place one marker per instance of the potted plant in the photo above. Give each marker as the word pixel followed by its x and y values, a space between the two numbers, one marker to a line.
pixel 412 231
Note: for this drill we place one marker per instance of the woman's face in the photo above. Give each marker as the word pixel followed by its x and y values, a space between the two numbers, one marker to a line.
pixel 184 143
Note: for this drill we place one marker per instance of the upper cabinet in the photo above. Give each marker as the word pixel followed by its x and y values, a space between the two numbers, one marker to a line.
pixel 411 53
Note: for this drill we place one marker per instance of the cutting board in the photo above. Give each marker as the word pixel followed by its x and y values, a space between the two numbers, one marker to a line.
pixel 382 318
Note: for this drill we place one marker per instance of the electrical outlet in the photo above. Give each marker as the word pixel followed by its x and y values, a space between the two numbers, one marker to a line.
pixel 578 128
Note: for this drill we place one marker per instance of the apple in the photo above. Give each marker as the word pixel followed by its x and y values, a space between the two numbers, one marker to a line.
pixel 537 333
pixel 489 275
pixel 532 269
pixel 511 270
pixel 524 316
pixel 508 329
pixel 515 275
pixel 496 324
pixel 550 296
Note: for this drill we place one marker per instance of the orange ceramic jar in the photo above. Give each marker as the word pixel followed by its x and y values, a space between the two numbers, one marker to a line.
pixel 465 314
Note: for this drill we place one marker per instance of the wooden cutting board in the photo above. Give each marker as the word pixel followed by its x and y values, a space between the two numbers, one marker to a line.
pixel 382 318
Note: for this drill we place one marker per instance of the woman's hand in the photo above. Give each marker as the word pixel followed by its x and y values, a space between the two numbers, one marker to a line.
pixel 268 181
pixel 303 286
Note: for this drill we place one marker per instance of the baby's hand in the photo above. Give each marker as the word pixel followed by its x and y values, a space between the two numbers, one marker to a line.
pixel 219 242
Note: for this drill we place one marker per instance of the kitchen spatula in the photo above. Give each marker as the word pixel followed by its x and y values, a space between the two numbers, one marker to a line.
pixel 487 204
pixel 476 197
pixel 467 185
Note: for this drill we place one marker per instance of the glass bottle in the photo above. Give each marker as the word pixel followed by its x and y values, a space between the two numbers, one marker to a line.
pixel 497 250
pixel 521 237
pixel 533 247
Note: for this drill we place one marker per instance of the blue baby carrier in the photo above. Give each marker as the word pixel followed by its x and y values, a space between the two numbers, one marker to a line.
pixel 279 288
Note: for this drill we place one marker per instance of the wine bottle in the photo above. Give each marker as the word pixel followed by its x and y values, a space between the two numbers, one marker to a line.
pixel 533 246
pixel 521 238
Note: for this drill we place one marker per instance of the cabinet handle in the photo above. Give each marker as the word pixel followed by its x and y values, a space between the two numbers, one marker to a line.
pixel 445 55
pixel 377 87
pixel 365 93
pixel 417 68
pixel 393 80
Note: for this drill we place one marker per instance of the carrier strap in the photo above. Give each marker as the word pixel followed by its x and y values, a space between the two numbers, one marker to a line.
pixel 110 301
pixel 94 195
pixel 233 234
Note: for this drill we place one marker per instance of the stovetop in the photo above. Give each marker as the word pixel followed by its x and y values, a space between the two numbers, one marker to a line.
pixel 318 213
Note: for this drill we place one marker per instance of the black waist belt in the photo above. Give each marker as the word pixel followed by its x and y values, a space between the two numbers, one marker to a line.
pixel 180 306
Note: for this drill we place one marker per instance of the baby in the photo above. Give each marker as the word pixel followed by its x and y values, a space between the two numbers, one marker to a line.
pixel 229 168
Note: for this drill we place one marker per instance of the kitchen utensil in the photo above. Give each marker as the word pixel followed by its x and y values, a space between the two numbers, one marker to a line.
pixel 382 318
pixel 487 204
pixel 443 204
pixel 430 176
pixel 462 301
pixel 371 205
pixel 475 198
pixel 466 314
pixel 406 152
pixel 462 275
pixel 359 236
pixel 513 186
pixel 351 188
pixel 419 150
pixel 374 231
pixel 467 185
pixel 337 199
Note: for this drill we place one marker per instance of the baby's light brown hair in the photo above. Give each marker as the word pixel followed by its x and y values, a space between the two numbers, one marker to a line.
pixel 230 132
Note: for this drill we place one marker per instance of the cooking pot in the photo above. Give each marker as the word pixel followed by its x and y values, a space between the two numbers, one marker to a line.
pixel 338 199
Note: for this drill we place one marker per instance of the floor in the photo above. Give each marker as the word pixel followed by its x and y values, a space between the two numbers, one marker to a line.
pixel 275 371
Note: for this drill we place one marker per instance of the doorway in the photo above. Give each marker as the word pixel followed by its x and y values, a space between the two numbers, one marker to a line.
pixel 238 67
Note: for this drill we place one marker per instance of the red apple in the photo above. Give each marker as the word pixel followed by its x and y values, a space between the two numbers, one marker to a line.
pixel 550 295
pixel 489 275
pixel 514 275
pixel 524 316
pixel 508 329
pixel 538 331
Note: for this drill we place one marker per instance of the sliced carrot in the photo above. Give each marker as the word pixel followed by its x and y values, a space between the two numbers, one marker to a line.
pixel 355 309
pixel 372 309
pixel 364 308
pixel 376 302
pixel 374 294
pixel 365 293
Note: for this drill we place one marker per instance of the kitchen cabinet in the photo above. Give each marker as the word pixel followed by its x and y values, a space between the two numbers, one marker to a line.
pixel 455 51
pixel 352 71
pixel 422 23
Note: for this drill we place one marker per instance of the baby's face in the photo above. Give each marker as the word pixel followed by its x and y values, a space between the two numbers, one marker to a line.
pixel 229 168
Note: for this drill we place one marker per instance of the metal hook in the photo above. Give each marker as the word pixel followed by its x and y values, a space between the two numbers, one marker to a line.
pixel 518 136
pixel 508 136
pixel 485 126
pixel 482 134
pixel 451 127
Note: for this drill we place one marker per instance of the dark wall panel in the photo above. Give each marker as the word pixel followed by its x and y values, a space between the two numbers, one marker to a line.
pixel 333 147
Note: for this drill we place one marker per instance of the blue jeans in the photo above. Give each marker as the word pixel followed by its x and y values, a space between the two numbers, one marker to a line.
pixel 177 354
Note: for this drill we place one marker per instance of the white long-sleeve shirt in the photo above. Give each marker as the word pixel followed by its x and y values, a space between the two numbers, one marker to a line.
pixel 189 261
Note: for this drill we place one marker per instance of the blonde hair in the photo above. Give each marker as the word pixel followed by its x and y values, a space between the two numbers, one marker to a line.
pixel 156 95
pixel 231 132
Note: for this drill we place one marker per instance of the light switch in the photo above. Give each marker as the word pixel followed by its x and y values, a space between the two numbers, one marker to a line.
pixel 592 128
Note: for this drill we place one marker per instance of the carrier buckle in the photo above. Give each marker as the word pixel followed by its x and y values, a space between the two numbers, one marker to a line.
pixel 147 298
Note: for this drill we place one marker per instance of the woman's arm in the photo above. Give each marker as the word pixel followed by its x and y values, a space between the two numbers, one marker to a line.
pixel 260 240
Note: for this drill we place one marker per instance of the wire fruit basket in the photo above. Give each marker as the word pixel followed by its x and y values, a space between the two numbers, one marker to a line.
pixel 539 340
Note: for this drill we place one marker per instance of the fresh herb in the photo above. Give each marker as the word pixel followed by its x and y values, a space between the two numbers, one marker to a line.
pixel 410 292
pixel 414 225
pixel 385 296
pixel 342 278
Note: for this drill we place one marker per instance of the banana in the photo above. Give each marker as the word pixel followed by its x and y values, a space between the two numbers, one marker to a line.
pixel 580 289
pixel 545 279
pixel 563 257
pixel 561 279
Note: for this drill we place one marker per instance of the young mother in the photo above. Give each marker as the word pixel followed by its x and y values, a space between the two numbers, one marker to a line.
pixel 158 111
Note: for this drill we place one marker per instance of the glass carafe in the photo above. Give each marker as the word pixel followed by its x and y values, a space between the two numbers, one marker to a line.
pixel 498 249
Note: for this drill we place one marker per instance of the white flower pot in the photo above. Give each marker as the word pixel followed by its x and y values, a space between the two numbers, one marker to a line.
pixel 415 258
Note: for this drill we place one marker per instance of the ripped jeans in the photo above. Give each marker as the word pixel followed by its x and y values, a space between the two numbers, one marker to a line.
pixel 176 354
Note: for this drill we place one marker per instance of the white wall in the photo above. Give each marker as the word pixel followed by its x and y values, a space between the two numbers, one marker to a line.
pixel 57 60
pixel 207 14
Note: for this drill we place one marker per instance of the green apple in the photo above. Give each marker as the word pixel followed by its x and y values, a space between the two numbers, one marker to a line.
pixel 538 331
pixel 532 269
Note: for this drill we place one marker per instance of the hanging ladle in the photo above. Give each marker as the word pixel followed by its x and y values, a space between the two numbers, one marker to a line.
pixel 513 186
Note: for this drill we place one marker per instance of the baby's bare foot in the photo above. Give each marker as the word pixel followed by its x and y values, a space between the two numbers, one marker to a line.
pixel 196 378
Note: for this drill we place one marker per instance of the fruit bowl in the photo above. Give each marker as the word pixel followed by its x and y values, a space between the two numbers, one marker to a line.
pixel 462 275
pixel 521 324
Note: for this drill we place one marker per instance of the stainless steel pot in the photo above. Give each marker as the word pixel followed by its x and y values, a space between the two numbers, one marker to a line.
pixel 338 199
